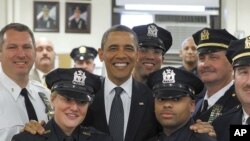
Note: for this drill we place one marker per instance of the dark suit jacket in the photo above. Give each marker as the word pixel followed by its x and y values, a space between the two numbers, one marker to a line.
pixel 228 101
pixel 142 123
pixel 85 134
pixel 222 123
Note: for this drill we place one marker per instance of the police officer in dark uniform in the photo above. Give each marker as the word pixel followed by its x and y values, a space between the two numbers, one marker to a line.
pixel 215 71
pixel 72 92
pixel 154 42
pixel 174 91
pixel 84 57
pixel 239 53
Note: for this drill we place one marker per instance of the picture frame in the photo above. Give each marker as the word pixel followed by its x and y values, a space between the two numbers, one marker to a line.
pixel 46 16
pixel 78 17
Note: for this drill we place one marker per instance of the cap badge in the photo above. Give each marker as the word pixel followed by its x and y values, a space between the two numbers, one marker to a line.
pixel 79 78
pixel 204 35
pixel 247 42
pixel 82 49
pixel 152 31
pixel 168 76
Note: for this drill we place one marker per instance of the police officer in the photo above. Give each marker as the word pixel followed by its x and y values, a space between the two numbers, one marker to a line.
pixel 154 42
pixel 19 97
pixel 239 53
pixel 72 92
pixel 84 57
pixel 174 92
pixel 215 71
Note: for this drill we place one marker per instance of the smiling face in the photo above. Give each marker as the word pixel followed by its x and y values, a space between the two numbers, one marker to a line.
pixel 149 60
pixel 119 53
pixel 68 113
pixel 18 54
pixel 214 68
pixel 173 113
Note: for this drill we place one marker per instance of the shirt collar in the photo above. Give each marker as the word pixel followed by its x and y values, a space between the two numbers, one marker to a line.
pixel 109 86
pixel 244 117
pixel 214 98
pixel 12 87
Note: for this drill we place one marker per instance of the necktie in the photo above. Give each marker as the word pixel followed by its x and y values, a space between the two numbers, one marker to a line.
pixel 204 107
pixel 29 107
pixel 248 121
pixel 68 138
pixel 116 118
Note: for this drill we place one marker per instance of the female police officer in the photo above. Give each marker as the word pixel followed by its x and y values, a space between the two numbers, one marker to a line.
pixel 72 92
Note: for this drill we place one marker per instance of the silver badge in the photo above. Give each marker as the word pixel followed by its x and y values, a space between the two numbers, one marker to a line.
pixel 168 76
pixel 79 78
pixel 152 31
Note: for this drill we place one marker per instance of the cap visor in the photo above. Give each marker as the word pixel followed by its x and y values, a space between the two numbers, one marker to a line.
pixel 79 96
pixel 170 93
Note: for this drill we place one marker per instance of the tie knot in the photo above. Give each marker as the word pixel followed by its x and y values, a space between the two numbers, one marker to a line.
pixel 24 92
pixel 248 121
pixel 118 90
pixel 68 138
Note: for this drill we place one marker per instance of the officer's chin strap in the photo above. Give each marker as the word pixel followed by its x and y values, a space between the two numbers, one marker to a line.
pixel 48 108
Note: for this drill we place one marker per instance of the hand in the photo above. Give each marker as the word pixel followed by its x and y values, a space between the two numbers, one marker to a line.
pixel 203 127
pixel 35 127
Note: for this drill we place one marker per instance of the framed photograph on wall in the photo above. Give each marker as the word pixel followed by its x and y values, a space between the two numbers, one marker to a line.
pixel 78 16
pixel 46 16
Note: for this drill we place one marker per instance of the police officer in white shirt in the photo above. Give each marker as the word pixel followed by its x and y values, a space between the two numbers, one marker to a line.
pixel 18 55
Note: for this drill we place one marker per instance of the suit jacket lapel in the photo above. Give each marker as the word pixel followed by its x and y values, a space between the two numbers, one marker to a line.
pixel 137 109
pixel 99 108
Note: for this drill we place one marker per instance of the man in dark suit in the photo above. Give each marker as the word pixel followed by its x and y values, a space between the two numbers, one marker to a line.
pixel 238 52
pixel 215 71
pixel 119 52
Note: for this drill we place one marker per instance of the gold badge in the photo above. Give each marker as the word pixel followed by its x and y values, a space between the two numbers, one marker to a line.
pixel 247 42
pixel 82 49
pixel 204 35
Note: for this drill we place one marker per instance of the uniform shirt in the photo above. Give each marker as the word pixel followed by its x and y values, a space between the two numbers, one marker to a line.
pixel 13 114
pixel 215 97
pixel 109 94
pixel 244 117
pixel 184 134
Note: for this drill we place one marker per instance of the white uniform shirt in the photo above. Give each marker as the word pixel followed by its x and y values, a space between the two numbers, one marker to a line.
pixel 13 114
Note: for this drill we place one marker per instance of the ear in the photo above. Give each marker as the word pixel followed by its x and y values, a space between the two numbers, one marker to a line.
pixel 192 106
pixel 52 99
pixel 100 54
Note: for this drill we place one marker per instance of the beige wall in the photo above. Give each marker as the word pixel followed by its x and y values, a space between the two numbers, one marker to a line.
pixel 235 17
pixel 22 11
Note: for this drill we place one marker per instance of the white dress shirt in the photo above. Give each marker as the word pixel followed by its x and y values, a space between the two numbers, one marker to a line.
pixel 215 97
pixel 13 114
pixel 109 94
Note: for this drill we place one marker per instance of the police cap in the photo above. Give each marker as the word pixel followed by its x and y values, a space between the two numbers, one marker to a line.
pixel 212 40
pixel 170 82
pixel 152 35
pixel 83 53
pixel 74 83
pixel 239 52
